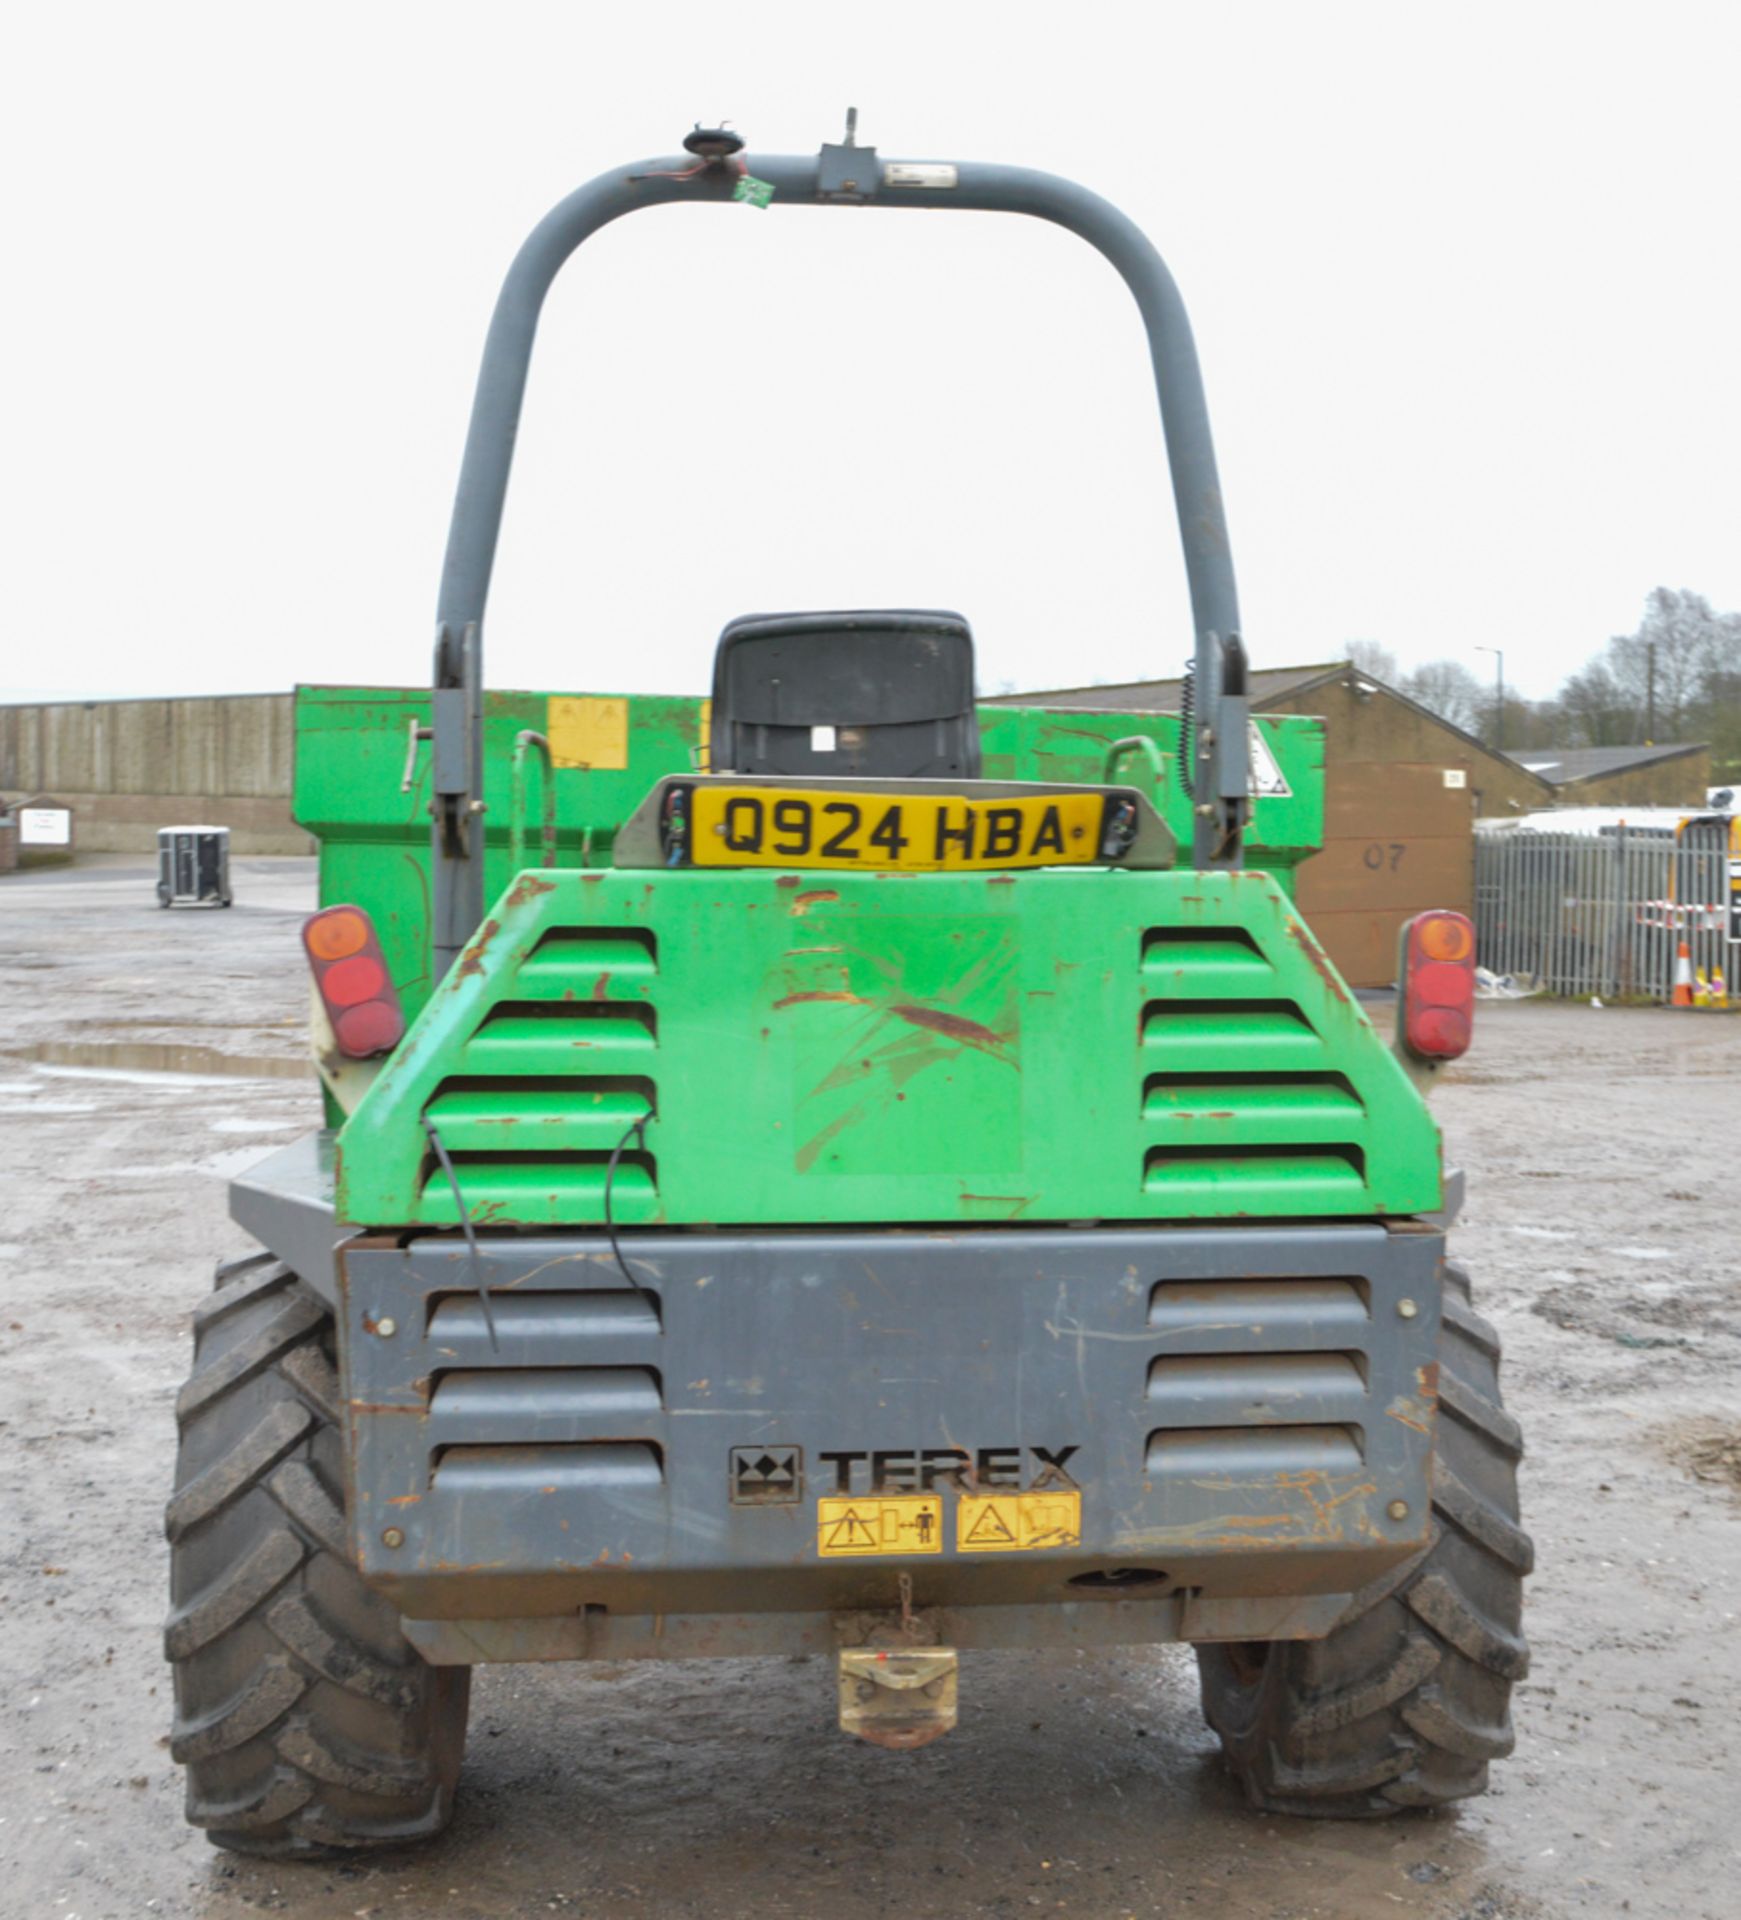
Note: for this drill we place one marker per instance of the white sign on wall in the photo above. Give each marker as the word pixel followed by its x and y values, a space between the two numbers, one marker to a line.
pixel 45 827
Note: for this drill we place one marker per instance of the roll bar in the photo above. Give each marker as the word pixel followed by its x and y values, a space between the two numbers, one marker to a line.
pixel 714 170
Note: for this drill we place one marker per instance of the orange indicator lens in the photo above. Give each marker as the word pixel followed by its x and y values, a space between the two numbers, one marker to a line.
pixel 333 936
pixel 1443 938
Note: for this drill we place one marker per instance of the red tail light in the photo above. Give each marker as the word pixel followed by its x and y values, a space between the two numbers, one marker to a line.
pixel 350 973
pixel 1438 985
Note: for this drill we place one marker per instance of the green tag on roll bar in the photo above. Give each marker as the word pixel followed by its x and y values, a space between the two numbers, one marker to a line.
pixel 753 192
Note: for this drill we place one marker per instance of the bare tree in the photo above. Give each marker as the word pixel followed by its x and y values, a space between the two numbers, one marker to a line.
pixel 1662 669
pixel 1374 659
pixel 1598 711
pixel 1449 689
pixel 1678 678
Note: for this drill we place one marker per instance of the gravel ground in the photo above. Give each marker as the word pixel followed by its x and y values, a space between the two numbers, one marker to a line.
pixel 1601 1227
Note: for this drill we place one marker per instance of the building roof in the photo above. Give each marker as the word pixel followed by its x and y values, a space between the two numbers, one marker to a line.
pixel 1562 766
pixel 1266 685
pixel 1162 696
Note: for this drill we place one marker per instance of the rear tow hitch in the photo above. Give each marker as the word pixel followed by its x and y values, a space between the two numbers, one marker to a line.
pixel 898 1696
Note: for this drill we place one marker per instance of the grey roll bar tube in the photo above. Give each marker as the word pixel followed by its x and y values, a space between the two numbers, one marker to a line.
pixel 846 175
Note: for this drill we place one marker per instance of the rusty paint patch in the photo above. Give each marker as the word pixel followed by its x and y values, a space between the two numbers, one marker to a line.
pixel 527 888
pixel 799 999
pixel 971 1033
pixel 787 880
pixel 472 960
pixel 405 1499
pixel 1320 960
pixel 817 897
pixel 601 987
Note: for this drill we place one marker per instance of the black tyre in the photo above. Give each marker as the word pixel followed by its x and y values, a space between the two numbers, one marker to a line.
pixel 1408 1698
pixel 305 1719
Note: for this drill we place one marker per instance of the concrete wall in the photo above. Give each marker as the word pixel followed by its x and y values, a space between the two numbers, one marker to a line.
pixel 128 767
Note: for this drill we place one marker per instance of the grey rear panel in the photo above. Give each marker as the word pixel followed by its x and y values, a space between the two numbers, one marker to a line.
pixel 1245 1414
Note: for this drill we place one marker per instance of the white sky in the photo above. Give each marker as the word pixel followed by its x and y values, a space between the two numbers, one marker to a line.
pixel 1463 278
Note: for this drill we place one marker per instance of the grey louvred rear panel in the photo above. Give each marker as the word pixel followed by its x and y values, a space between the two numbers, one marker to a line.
pixel 1243 1408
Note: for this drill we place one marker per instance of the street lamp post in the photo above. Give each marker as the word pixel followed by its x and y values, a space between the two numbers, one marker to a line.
pixel 1499 699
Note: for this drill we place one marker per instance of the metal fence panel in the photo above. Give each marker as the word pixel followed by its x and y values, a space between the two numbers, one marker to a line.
pixel 1604 913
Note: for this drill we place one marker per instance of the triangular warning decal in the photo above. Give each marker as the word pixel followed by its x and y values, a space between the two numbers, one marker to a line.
pixel 1266 777
pixel 990 1529
pixel 850 1531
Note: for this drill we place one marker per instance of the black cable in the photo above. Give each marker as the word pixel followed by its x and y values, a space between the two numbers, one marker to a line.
pixel 470 1232
pixel 637 1132
pixel 1187 709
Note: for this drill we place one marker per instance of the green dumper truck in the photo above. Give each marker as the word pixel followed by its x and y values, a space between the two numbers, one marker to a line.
pixel 832 1168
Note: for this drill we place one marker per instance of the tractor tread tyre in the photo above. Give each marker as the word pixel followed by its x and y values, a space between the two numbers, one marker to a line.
pixel 306 1721
pixel 1407 1699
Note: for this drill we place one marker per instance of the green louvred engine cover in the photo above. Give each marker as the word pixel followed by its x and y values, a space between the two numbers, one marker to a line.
pixel 904 1048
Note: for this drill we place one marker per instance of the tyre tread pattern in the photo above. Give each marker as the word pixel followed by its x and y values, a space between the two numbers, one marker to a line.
pixel 306 1722
pixel 1406 1701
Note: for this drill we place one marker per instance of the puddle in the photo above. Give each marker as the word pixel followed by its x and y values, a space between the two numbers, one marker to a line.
pixel 152 1060
pixel 37 1107
pixel 256 1126
pixel 135 1077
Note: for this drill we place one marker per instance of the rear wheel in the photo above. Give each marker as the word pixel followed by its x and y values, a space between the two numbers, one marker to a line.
pixel 305 1719
pixel 1407 1700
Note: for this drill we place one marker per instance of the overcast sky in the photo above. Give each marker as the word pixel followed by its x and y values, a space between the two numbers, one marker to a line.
pixel 1463 278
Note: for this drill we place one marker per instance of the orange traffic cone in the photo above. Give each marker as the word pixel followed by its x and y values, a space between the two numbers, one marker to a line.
pixel 1683 989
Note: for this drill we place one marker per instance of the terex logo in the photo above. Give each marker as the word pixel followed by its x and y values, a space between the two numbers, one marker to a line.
pixel 921 1469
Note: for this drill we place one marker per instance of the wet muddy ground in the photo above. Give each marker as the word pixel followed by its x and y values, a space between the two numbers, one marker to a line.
pixel 1602 1227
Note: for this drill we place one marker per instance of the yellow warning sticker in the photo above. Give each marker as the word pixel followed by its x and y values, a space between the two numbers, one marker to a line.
pixel 589 731
pixel 1017 1522
pixel 875 1525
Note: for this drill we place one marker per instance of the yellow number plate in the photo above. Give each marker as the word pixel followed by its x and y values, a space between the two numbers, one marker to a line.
pixel 880 1526
pixel 915 832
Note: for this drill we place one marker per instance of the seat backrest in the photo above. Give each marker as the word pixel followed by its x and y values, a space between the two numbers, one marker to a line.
pixel 888 695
